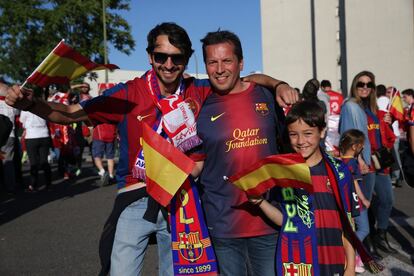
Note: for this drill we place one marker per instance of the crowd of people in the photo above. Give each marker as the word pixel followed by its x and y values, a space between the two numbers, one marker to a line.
pixel 40 143
pixel 346 143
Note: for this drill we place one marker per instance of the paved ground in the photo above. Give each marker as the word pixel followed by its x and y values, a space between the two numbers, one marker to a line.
pixel 56 232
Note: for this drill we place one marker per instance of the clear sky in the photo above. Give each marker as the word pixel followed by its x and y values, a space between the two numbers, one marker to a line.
pixel 198 17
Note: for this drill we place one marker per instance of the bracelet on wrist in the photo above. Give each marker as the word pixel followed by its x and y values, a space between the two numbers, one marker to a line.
pixel 259 202
pixel 279 83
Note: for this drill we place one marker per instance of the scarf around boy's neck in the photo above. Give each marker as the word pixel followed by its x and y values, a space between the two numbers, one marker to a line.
pixel 339 177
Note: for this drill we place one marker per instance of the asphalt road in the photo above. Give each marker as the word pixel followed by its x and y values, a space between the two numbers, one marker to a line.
pixel 56 232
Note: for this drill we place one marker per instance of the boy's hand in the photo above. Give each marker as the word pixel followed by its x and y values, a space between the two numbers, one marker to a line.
pixel 349 271
pixel 366 202
pixel 256 200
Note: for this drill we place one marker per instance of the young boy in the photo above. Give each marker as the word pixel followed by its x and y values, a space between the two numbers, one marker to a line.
pixel 316 237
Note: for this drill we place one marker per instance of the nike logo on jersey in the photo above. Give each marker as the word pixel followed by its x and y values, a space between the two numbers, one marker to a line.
pixel 140 118
pixel 213 118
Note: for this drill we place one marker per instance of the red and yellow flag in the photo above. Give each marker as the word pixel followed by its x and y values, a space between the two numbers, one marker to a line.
pixel 166 167
pixel 283 170
pixel 62 65
pixel 396 106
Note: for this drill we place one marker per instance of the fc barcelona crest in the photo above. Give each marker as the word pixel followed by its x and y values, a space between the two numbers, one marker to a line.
pixel 190 246
pixel 262 108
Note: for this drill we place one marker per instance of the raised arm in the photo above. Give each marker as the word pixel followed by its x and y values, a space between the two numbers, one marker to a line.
pixel 285 95
pixel 53 112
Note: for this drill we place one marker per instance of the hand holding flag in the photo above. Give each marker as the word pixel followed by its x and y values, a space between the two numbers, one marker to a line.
pixel 166 167
pixel 62 65
pixel 282 170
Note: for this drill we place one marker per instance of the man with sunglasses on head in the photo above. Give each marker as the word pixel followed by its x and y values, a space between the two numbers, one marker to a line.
pixel 135 216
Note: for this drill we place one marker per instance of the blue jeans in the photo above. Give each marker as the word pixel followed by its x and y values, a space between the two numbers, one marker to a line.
pixel 131 241
pixel 368 185
pixel 237 256
pixel 362 225
pixel 382 206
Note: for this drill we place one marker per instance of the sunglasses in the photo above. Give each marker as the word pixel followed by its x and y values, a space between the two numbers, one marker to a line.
pixel 177 59
pixel 361 84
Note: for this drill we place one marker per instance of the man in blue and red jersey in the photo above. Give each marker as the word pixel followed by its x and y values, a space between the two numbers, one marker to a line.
pixel 135 216
pixel 238 126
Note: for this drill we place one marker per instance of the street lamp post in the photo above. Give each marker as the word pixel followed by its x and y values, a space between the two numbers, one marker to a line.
pixel 104 38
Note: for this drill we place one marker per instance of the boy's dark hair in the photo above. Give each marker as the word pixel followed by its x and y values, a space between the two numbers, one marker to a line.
pixel 213 38
pixel 349 138
pixel 177 36
pixel 381 90
pixel 408 92
pixel 326 83
pixel 308 111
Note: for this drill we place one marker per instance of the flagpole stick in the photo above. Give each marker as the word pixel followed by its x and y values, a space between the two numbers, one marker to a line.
pixel 391 99
pixel 22 86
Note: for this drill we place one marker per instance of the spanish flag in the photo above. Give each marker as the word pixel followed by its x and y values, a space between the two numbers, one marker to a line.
pixel 166 167
pixel 62 65
pixel 283 170
pixel 396 106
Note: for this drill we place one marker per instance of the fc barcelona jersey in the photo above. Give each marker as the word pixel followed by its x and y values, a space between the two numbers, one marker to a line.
pixel 310 239
pixel 237 130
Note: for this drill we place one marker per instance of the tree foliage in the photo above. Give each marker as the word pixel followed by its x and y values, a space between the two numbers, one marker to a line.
pixel 30 29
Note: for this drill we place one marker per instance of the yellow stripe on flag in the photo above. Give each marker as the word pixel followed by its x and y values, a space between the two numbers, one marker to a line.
pixel 162 171
pixel 298 172
pixel 61 67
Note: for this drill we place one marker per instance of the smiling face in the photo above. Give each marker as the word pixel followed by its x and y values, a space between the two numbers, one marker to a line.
pixel 305 141
pixel 223 68
pixel 168 72
pixel 363 90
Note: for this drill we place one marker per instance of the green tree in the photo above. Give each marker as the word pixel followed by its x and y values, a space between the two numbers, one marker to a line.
pixel 30 29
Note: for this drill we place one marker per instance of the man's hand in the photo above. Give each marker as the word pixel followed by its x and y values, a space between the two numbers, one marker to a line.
pixel 19 98
pixel 286 95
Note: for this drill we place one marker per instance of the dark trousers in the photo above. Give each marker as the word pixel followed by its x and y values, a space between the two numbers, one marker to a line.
pixel 38 150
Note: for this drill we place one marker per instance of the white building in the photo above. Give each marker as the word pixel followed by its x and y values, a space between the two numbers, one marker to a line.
pixel 379 38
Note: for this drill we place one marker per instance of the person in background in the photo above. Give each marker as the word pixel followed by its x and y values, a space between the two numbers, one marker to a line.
pixel 383 100
pixel 6 127
pixel 37 141
pixel 408 145
pixel 350 146
pixel 103 144
pixel 8 149
pixel 332 133
pixel 82 132
pixel 360 111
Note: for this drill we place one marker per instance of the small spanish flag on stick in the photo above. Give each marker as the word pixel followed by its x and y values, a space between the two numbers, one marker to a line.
pixel 396 106
pixel 62 65
pixel 166 167
pixel 283 170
